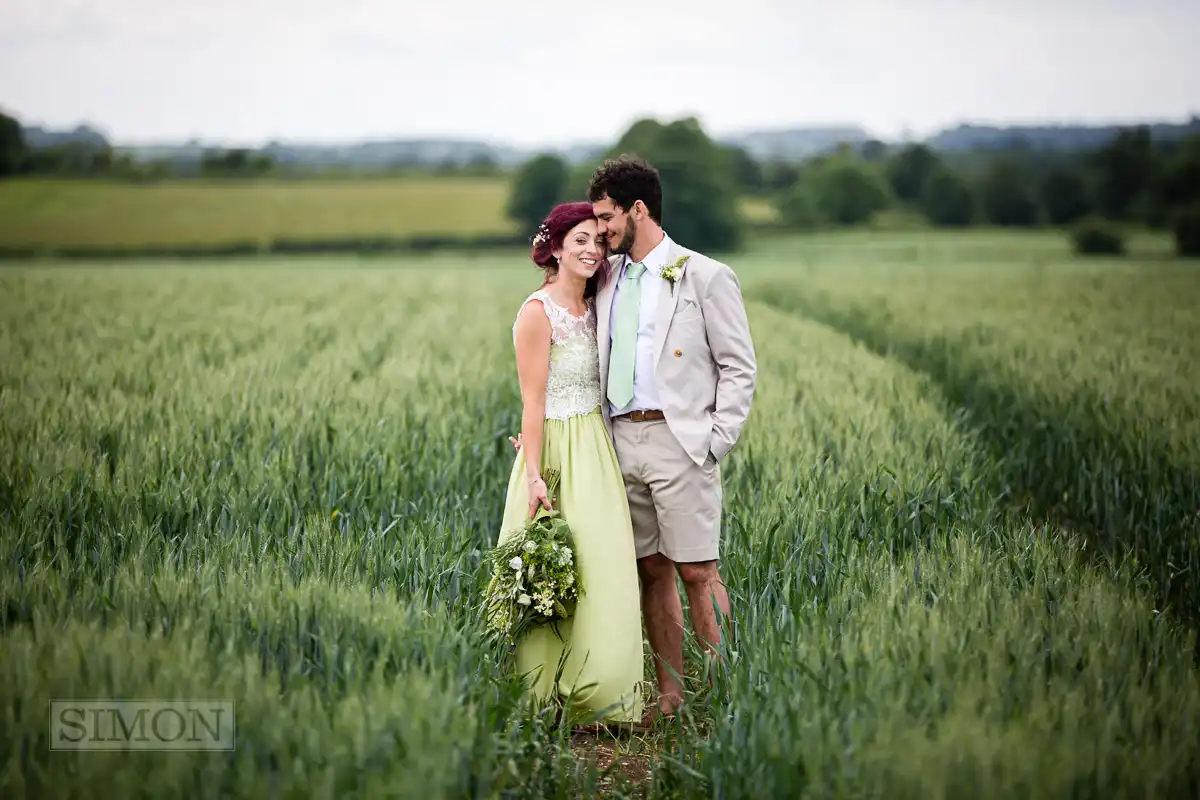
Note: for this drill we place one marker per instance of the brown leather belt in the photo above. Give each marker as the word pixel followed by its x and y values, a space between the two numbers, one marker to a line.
pixel 642 416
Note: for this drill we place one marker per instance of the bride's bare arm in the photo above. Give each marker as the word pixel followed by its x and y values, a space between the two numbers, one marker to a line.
pixel 532 341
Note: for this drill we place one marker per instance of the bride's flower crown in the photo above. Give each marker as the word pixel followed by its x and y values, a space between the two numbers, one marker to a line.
pixel 542 235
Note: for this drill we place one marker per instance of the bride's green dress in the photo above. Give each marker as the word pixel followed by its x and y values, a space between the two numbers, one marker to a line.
pixel 602 642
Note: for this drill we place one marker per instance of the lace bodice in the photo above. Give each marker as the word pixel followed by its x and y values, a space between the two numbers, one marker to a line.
pixel 573 383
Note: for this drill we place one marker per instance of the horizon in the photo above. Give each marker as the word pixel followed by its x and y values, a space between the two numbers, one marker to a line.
pixel 817 126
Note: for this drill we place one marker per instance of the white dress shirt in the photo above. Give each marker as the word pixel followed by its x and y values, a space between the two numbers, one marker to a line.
pixel 645 396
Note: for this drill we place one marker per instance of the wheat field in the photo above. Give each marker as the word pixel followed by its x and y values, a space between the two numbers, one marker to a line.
pixel 961 531
pixel 56 214
pixel 87 213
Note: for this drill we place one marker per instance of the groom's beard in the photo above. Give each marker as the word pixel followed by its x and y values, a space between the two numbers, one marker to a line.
pixel 626 243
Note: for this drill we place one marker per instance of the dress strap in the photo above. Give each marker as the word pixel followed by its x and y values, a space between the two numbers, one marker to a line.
pixel 547 306
pixel 562 322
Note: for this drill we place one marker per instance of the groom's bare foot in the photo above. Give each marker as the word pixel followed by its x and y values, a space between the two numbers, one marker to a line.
pixel 667 706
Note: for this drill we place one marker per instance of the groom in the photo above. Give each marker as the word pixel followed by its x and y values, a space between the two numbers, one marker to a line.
pixel 677 370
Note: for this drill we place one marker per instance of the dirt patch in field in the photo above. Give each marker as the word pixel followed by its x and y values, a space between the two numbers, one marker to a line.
pixel 632 769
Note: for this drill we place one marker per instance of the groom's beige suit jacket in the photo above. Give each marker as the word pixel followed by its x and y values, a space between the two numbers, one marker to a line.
pixel 704 364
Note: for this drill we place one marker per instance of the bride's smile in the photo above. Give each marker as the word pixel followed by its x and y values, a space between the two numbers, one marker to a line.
pixel 581 251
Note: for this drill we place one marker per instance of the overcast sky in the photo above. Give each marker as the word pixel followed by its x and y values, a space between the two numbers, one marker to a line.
pixel 552 72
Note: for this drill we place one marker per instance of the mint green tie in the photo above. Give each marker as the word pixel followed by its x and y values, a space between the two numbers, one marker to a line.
pixel 624 343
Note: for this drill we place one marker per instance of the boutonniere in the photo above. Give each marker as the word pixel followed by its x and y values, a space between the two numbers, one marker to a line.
pixel 674 272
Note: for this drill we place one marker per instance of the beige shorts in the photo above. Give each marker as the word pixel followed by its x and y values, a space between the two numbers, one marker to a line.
pixel 675 505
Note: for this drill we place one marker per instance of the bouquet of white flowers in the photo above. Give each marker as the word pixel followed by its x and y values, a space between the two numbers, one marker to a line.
pixel 535 580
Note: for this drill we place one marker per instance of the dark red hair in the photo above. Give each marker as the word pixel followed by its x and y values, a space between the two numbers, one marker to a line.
pixel 549 237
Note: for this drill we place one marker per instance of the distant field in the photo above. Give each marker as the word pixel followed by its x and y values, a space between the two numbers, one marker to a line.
pixel 41 213
pixel 758 209
pixel 83 213
pixel 275 484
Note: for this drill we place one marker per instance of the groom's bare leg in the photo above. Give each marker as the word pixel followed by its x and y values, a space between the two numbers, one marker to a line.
pixel 703 585
pixel 663 614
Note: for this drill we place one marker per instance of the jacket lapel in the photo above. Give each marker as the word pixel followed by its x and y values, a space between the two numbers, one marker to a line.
pixel 668 296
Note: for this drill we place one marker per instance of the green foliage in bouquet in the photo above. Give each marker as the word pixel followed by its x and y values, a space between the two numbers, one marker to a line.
pixel 535 578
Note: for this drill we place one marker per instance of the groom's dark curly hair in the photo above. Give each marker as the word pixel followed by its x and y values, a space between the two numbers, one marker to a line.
pixel 626 180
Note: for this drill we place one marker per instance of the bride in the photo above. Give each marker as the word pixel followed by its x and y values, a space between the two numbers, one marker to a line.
pixel 600 649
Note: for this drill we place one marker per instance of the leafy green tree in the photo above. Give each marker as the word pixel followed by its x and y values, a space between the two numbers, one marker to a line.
pixel 1064 195
pixel 540 184
pixel 1185 226
pixel 1097 236
pixel 747 173
pixel 1007 193
pixel 639 139
pixel 1126 169
pixel 874 151
pixel 700 207
pixel 909 169
pixel 579 176
pixel 848 190
pixel 798 207
pixel 1178 183
pixel 12 146
pixel 779 176
pixel 481 165
pixel 946 199
pixel 69 158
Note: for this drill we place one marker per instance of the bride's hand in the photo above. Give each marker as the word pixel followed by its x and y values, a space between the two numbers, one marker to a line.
pixel 538 496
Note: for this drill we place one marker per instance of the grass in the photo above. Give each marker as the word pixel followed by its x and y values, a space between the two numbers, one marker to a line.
pixel 759 210
pixel 38 213
pixel 1043 358
pixel 276 485
pixel 94 213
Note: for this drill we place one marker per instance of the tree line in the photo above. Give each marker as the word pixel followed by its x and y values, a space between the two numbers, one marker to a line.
pixel 1098 194
pixel 87 159
pixel 90 155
